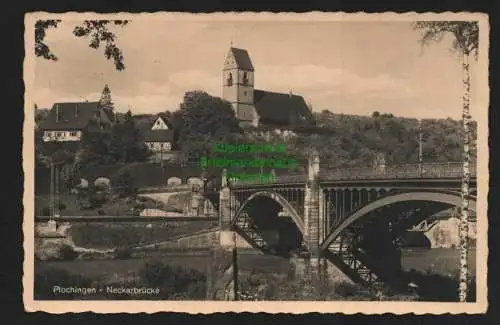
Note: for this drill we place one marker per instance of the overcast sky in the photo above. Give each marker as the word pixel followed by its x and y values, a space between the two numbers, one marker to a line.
pixel 346 67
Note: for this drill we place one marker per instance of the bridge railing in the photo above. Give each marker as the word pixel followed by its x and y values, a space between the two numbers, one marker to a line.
pixel 404 171
pixel 427 170
pixel 282 179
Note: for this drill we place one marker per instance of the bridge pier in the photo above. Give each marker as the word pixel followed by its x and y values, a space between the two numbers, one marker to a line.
pixel 227 208
pixel 312 207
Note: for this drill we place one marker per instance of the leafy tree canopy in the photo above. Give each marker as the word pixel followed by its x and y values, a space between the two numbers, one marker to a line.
pixel 126 142
pixel 96 30
pixel 203 118
pixel 466 34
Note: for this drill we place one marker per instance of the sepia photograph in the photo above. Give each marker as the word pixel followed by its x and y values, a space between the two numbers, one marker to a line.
pixel 315 162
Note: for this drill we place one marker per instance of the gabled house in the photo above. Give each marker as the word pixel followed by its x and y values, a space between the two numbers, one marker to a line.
pixel 67 121
pixel 159 138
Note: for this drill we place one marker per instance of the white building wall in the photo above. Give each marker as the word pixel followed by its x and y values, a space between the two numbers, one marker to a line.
pixel 159 146
pixel 50 136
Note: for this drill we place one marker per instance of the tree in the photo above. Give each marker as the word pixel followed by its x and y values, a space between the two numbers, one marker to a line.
pixel 98 32
pixel 124 183
pixel 106 103
pixel 204 116
pixel 94 145
pixel 125 142
pixel 465 42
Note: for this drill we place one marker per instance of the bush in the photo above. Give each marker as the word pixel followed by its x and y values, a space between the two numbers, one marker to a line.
pixel 140 206
pixel 124 184
pixel 345 289
pixel 53 251
pixel 62 206
pixel 46 280
pixel 123 253
pixel 174 283
pixel 96 200
pixel 68 253
pixel 434 287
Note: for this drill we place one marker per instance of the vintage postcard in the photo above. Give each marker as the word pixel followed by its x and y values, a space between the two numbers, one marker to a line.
pixel 261 162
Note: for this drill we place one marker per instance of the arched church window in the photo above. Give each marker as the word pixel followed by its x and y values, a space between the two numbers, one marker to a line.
pixel 230 79
pixel 245 78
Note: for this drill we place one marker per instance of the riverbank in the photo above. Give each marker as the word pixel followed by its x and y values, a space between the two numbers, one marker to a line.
pixel 434 269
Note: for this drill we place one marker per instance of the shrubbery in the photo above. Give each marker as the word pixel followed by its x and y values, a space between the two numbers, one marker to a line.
pixel 123 253
pixel 174 283
pixel 56 252
pixel 68 253
pixel 124 184
pixel 46 280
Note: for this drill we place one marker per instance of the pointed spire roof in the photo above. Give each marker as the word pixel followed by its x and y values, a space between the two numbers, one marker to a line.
pixel 242 59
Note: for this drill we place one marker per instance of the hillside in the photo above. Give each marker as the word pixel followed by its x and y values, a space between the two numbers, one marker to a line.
pixel 351 140
pixel 342 141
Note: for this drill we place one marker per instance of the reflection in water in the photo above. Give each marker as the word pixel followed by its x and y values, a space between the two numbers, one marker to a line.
pixel 435 271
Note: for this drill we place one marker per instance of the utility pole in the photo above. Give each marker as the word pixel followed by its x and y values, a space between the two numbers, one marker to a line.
pixel 163 174
pixel 235 268
pixel 57 201
pixel 51 191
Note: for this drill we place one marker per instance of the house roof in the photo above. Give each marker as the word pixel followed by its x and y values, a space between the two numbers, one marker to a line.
pixel 165 118
pixel 242 59
pixel 278 108
pixel 158 136
pixel 72 116
pixel 110 114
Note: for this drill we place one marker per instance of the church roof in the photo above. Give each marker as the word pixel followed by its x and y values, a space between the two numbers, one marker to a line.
pixel 242 59
pixel 281 109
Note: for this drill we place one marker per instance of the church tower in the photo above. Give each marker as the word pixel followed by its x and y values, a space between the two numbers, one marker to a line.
pixel 238 85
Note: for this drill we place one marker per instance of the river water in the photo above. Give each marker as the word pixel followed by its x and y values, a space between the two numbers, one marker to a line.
pixel 442 261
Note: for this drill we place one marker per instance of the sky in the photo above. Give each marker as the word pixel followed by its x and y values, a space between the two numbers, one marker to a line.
pixel 345 67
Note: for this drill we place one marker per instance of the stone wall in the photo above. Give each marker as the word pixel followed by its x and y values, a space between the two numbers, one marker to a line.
pixel 445 234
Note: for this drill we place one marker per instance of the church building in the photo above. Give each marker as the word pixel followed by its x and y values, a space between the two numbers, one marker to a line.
pixel 259 107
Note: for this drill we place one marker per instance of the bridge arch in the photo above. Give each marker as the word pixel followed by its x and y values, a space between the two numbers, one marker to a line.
pixel 449 198
pixel 278 198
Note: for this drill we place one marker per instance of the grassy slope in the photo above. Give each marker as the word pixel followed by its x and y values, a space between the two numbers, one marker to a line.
pixel 104 235
pixel 118 207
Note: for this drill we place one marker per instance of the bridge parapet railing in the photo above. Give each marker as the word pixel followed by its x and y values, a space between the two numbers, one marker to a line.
pixel 282 179
pixel 428 170
pixel 404 171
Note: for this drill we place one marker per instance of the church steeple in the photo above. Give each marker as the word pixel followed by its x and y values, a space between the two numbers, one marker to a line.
pixel 238 84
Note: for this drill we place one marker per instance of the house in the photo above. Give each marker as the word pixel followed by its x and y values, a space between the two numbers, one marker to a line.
pixel 253 106
pixel 67 121
pixel 159 138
